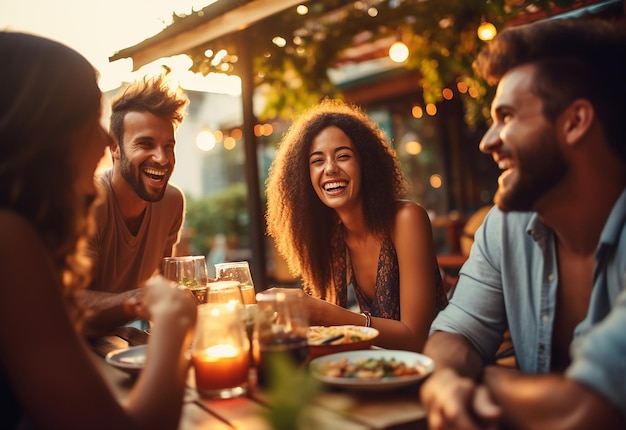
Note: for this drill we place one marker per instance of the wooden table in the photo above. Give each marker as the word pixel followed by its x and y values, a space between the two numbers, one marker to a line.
pixel 330 409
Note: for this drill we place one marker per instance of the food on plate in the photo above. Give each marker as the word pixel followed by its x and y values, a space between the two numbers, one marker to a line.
pixel 369 368
pixel 345 334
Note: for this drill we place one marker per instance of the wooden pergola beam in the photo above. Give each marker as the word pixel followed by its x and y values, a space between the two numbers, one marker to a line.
pixel 232 21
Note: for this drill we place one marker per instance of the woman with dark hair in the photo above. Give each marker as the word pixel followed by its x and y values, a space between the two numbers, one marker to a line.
pixel 51 140
pixel 336 212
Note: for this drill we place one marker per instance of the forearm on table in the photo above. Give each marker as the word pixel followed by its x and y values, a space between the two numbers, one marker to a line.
pixel 549 401
pixel 450 350
pixel 392 334
pixel 325 313
pixel 106 310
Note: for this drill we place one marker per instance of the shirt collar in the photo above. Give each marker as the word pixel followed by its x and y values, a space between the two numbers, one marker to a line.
pixel 610 233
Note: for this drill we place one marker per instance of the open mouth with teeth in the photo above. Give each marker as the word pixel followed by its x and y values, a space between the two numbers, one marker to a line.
pixel 504 164
pixel 335 186
pixel 155 175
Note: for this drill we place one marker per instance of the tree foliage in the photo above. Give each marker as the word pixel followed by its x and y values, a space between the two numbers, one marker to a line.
pixel 441 36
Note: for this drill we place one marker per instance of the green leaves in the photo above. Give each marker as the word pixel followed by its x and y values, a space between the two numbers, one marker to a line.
pixel 291 392
pixel 441 37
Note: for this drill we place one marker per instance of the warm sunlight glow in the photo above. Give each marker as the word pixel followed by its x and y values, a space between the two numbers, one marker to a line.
pixel 97 33
pixel 179 66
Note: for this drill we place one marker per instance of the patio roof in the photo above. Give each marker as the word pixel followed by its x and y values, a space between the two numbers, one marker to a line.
pixel 216 20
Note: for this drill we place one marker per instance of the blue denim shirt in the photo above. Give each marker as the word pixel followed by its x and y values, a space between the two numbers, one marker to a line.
pixel 510 280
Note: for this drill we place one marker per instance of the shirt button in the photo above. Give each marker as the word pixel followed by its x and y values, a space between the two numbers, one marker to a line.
pixel 550 277
pixel 545 318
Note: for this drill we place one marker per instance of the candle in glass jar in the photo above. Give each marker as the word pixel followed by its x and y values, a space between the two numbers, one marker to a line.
pixel 220 366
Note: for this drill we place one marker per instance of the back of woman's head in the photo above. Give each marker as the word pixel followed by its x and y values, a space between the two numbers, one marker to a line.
pixel 48 91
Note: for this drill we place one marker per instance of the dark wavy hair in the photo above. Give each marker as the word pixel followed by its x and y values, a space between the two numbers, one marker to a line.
pixel 575 58
pixel 49 91
pixel 301 225
pixel 149 94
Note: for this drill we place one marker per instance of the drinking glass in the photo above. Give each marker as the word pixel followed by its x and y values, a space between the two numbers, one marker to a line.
pixel 189 272
pixel 280 333
pixel 237 271
pixel 224 292
pixel 219 351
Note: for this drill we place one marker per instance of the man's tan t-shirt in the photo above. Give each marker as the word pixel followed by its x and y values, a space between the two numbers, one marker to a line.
pixel 123 261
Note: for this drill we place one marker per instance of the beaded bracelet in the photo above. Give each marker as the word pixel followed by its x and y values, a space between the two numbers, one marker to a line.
pixel 368 318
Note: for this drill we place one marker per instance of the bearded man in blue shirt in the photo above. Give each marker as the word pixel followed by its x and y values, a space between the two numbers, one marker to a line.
pixel 549 261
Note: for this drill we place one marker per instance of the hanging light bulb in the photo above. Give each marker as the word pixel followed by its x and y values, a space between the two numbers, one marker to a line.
pixel 486 30
pixel 398 52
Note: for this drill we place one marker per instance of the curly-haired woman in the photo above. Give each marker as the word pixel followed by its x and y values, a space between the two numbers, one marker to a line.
pixel 337 214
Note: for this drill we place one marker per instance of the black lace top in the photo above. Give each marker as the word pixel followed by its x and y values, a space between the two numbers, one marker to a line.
pixel 386 301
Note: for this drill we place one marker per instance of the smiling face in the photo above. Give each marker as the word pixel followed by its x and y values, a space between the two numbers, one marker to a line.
pixel 334 169
pixel 523 142
pixel 146 158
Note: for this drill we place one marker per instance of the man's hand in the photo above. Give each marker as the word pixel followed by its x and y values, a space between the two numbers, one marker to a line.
pixel 108 311
pixel 455 402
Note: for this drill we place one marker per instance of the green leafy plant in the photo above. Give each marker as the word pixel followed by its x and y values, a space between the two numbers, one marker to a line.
pixel 441 36
pixel 291 392
pixel 224 212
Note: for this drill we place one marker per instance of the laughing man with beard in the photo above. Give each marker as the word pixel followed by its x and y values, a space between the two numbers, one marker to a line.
pixel 140 219
pixel 549 260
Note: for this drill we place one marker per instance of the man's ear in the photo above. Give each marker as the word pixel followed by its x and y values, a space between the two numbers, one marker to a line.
pixel 115 149
pixel 577 119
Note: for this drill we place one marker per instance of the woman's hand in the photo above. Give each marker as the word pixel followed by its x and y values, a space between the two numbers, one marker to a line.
pixel 161 298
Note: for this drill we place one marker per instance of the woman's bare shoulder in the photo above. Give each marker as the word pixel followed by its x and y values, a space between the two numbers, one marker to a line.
pixel 410 211
pixel 10 219
pixel 16 232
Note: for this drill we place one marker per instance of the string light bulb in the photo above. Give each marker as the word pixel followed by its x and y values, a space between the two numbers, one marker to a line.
pixel 486 31
pixel 398 52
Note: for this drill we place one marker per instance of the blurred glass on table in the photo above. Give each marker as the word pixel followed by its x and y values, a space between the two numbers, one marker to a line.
pixel 280 333
pixel 189 272
pixel 237 271
pixel 224 292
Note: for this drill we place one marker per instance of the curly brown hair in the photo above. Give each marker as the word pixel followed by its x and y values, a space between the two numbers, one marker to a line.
pixel 301 225
pixel 49 91
pixel 149 94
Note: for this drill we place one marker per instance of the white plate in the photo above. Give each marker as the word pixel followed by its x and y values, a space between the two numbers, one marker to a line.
pixel 387 383
pixel 130 359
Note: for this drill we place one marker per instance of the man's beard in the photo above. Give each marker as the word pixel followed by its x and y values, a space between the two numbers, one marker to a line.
pixel 132 175
pixel 540 168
